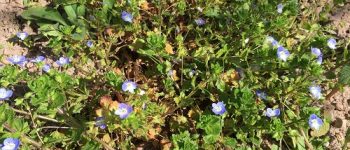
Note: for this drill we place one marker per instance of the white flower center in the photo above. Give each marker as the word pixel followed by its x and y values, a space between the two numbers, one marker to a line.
pixel 217 108
pixel 129 87
pixel 3 93
pixel 123 111
pixel 283 55
pixel 9 146
pixel 315 124
pixel 16 59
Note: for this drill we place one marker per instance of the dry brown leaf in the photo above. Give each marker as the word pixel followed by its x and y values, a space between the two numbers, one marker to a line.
pixel 166 144
pixel 145 6
pixel 152 134
pixel 109 31
pixel 105 101
pixel 118 71
pixel 174 76
pixel 99 112
pixel 113 105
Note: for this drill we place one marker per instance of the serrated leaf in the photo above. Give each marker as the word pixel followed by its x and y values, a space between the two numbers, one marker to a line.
pixel 57 99
pixel 344 77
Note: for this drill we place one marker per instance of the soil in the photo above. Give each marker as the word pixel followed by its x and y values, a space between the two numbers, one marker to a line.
pixel 10 25
pixel 341 21
pixel 338 105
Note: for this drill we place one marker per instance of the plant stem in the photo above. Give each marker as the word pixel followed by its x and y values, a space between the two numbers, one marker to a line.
pixel 39 116
pixel 308 144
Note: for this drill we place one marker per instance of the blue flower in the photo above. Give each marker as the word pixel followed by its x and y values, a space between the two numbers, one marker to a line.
pixel 272 112
pixel 10 144
pixel 123 110
pixel 62 61
pixel 127 17
pixel 17 60
pixel 100 122
pixel 200 21
pixel 315 122
pixel 332 43
pixel 129 86
pixel 280 8
pixel 316 51
pixel 261 94
pixel 319 59
pixel 282 53
pixel 5 94
pixel 315 92
pixel 218 108
pixel 89 43
pixel 46 68
pixel 272 40
pixel 22 35
pixel 38 59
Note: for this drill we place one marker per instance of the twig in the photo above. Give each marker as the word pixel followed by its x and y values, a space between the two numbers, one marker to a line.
pixel 54 127
pixel 39 116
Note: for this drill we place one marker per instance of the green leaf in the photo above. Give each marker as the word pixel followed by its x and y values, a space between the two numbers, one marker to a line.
pixel 344 77
pixel 91 145
pixel 70 11
pixel 184 141
pixel 114 79
pixel 81 11
pixel 210 124
pixel 57 99
pixel 19 125
pixel 301 143
pixel 230 142
pixel 212 12
pixel 43 14
pixel 108 4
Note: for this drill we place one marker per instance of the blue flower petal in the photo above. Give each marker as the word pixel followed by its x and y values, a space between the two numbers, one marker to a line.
pixel 127 17
pixel 218 108
pixel 332 43
pixel 123 110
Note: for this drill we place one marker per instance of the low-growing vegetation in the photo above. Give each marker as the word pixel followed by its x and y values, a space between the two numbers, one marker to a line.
pixel 184 74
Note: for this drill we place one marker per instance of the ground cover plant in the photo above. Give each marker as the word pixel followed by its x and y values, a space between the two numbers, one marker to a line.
pixel 185 74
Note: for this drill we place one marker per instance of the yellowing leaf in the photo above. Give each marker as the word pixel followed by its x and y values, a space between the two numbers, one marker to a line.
pixel 144 5
pixel 322 131
pixel 113 105
pixel 106 138
pixel 169 48
pixel 105 101
pixel 99 112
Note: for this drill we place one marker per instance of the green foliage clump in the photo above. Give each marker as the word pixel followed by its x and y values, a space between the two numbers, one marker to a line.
pixel 174 75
